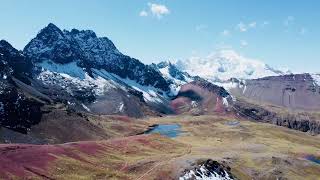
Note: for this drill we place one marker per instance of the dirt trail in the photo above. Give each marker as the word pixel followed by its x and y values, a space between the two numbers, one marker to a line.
pixel 165 162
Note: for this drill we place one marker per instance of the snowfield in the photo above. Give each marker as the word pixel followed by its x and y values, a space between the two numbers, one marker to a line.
pixel 226 64
pixel 68 74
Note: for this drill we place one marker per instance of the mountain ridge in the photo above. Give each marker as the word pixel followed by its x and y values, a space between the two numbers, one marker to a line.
pixel 87 74
pixel 89 51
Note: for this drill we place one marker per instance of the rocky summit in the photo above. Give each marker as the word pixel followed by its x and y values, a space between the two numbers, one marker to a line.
pixel 89 51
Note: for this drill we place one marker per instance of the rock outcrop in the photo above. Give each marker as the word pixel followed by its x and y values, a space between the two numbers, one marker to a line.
pixel 208 169
pixel 17 110
pixel 301 121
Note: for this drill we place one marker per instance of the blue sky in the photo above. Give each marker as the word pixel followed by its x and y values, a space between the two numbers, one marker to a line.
pixel 280 33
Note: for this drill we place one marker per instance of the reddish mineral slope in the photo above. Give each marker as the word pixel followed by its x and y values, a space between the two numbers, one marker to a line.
pixel 122 158
pixel 201 97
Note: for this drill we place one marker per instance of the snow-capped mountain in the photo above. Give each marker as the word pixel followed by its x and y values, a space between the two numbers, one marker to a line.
pixel 80 72
pixel 226 64
pixel 87 51
pixel 94 74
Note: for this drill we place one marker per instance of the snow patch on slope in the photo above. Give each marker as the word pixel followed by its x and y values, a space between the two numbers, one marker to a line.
pixel 121 107
pixel 204 174
pixel 150 93
pixel 72 69
pixel 176 82
pixel 316 78
pixel 86 108
pixel 68 74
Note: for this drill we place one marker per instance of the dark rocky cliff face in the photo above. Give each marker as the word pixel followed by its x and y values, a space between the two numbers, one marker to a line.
pixel 90 51
pixel 299 122
pixel 304 122
pixel 17 111
pixel 13 62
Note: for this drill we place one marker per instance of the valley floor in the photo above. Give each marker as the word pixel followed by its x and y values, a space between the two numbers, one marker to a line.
pixel 252 150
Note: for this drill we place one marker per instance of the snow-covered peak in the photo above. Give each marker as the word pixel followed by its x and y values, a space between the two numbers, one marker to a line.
pixel 51 29
pixel 66 46
pixel 84 49
pixel 225 64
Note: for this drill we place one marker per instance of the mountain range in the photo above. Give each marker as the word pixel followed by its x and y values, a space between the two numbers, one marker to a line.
pixel 89 74
pixel 70 86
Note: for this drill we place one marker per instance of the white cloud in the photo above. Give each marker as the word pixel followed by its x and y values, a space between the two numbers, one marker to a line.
pixel 288 21
pixel 158 10
pixel 252 24
pixel 243 43
pixel 242 27
pixel 201 27
pixel 143 13
pixel 225 32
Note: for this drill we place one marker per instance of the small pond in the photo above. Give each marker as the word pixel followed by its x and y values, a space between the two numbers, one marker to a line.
pixel 169 130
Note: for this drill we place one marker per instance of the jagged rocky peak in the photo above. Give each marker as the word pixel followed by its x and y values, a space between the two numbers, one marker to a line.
pixel 89 52
pixel 97 50
pixel 51 31
pixel 89 37
pixel 52 44
pixel 65 46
